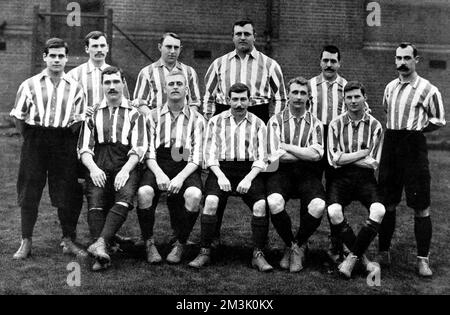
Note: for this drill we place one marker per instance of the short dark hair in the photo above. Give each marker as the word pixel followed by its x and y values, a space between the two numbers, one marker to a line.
pixel 403 45
pixel 111 70
pixel 55 43
pixel 239 88
pixel 299 80
pixel 163 37
pixel 355 85
pixel 175 72
pixel 243 23
pixel 93 35
pixel 332 50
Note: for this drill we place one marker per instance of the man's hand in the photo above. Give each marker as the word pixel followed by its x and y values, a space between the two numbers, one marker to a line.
pixel 121 179
pixel 98 177
pixel 163 181
pixel 207 116
pixel 90 111
pixel 224 183
pixel 175 185
pixel 244 186
pixel 194 108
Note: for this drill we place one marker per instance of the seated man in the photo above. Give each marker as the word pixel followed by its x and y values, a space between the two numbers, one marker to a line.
pixel 353 150
pixel 235 153
pixel 111 144
pixel 295 141
pixel 172 127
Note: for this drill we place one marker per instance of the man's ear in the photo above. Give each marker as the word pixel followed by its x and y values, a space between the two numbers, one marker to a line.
pixel 86 49
pixel 159 46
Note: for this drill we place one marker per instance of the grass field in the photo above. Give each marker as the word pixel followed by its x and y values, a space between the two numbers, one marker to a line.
pixel 45 272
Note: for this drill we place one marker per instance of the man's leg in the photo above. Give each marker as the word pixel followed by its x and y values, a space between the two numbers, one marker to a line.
pixel 423 233
pixel 260 229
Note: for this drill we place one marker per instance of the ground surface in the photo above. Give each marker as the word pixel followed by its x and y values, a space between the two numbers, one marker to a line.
pixel 46 273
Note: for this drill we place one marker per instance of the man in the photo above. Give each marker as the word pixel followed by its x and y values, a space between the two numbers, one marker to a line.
pixel 47 110
pixel 173 159
pixel 89 73
pixel 149 92
pixel 235 153
pixel 249 66
pixel 354 140
pixel 110 150
pixel 413 106
pixel 295 141
pixel 88 76
pixel 327 103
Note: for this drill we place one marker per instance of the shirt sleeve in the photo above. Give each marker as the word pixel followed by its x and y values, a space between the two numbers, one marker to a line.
pixel 212 141
pixel 316 138
pixel 261 151
pixel 211 84
pixel 196 154
pixel 142 91
pixel 278 88
pixel 435 109
pixel 23 102
pixel 86 140
pixel 194 90
pixel 139 142
pixel 334 150
pixel 274 139
pixel 151 136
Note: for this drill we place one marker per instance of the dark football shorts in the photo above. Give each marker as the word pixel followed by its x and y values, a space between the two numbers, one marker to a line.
pixel 235 171
pixel 351 183
pixel 296 180
pixel 404 163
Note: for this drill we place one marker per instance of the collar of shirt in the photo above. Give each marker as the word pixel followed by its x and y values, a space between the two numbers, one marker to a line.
pixel 160 64
pixel 287 115
pixel 125 103
pixel 165 109
pixel 65 77
pixel 414 83
pixel 91 67
pixel 338 80
pixel 347 119
pixel 227 114
pixel 253 53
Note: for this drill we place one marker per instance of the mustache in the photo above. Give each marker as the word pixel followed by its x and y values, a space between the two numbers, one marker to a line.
pixel 403 67
pixel 329 68
pixel 99 54
pixel 113 91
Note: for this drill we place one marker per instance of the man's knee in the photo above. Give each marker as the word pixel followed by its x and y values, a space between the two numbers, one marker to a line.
pixel 145 196
pixel 335 213
pixel 192 197
pixel 316 207
pixel 422 213
pixel 259 208
pixel 276 203
pixel 376 212
pixel 390 208
pixel 211 204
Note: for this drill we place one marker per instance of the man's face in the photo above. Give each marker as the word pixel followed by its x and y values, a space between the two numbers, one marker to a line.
pixel 97 49
pixel 298 96
pixel 56 59
pixel 329 64
pixel 175 87
pixel 243 38
pixel 405 60
pixel 239 103
pixel 170 49
pixel 112 86
pixel 354 100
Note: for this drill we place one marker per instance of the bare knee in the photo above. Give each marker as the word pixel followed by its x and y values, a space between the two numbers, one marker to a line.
pixel 259 208
pixel 211 204
pixel 335 213
pixel 422 213
pixel 276 203
pixel 192 197
pixel 145 196
pixel 316 207
pixel 376 212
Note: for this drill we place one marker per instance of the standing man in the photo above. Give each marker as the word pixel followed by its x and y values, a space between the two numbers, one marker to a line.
pixel 413 106
pixel 327 91
pixel 149 92
pixel 47 112
pixel 110 150
pixel 295 141
pixel 251 67
pixel 354 141
pixel 235 154
pixel 173 161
